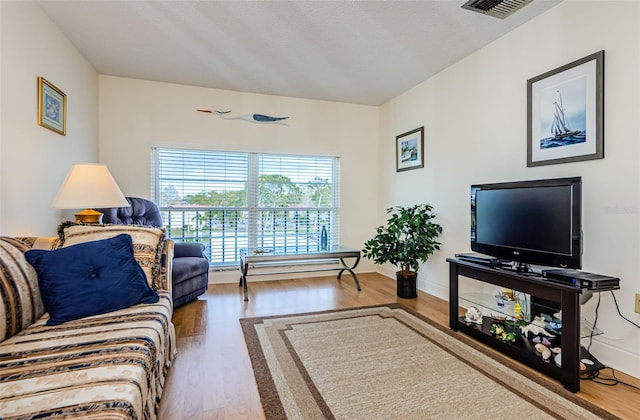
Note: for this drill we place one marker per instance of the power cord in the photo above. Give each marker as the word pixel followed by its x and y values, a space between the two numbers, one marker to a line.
pixel 595 375
pixel 620 313
pixel 595 321
pixel 613 381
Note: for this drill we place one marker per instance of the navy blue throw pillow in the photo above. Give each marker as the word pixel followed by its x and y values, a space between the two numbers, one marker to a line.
pixel 90 278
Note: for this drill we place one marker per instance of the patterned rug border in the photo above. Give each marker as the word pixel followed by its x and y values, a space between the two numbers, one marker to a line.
pixel 272 404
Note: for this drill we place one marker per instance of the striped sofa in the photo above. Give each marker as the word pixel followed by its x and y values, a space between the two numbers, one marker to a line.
pixel 109 366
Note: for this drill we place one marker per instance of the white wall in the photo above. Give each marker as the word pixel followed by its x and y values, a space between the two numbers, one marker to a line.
pixel 33 159
pixel 136 115
pixel 474 114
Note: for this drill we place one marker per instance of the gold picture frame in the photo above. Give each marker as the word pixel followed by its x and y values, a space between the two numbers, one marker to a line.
pixel 52 107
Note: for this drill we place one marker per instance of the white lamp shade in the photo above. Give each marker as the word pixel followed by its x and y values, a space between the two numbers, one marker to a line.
pixel 89 185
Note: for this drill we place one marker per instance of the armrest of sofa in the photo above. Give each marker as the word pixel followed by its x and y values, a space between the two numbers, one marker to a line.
pixel 166 265
pixel 48 243
pixel 189 249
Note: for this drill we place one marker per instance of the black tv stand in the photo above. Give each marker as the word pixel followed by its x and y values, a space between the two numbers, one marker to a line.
pixel 523 268
pixel 566 295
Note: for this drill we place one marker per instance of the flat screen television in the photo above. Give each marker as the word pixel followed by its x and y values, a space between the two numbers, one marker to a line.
pixel 529 222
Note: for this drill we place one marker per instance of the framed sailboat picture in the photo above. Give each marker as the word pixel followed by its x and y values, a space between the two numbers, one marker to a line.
pixel 410 150
pixel 565 113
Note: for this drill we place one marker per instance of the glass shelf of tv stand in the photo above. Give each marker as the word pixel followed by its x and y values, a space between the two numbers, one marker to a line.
pixel 490 302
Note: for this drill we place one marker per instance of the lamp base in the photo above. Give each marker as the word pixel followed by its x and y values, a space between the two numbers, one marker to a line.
pixel 89 216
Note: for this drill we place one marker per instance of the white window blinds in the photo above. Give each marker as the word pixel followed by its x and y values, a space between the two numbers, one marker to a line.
pixel 232 200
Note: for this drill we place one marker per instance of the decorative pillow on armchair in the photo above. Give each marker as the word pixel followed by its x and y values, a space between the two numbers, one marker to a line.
pixel 90 278
pixel 147 242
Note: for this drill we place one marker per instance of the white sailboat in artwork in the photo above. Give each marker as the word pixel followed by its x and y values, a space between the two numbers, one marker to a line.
pixel 409 154
pixel 559 126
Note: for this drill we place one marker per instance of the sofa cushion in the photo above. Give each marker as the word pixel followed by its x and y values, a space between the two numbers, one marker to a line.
pixel 20 302
pixel 186 267
pixel 147 242
pixel 109 366
pixel 90 278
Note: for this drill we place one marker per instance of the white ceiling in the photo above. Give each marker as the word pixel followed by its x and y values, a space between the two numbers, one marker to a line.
pixel 363 52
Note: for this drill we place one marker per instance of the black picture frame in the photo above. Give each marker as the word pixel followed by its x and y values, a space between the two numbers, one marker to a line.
pixel 410 150
pixel 565 113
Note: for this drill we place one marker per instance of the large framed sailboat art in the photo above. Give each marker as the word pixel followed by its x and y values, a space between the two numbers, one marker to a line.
pixel 565 113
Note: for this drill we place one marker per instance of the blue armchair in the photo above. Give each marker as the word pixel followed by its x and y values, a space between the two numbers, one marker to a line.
pixel 190 272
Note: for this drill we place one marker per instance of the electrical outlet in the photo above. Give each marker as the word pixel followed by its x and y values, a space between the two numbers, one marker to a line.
pixel 638 303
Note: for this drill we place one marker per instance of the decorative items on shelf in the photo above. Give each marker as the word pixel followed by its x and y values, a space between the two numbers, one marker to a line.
pixel 323 238
pixel 546 352
pixel 505 296
pixel 508 300
pixel 501 333
pixel 542 339
pixel 473 315
pixel 517 309
pixel 534 329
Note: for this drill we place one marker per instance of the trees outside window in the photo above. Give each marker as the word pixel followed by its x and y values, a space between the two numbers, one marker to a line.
pixel 231 200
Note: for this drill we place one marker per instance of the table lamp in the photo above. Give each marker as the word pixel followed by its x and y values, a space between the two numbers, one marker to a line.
pixel 88 186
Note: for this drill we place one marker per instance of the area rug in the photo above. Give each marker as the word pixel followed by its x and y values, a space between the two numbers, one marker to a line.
pixel 388 362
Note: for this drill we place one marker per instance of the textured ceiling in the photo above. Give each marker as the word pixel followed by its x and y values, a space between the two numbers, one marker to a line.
pixel 364 52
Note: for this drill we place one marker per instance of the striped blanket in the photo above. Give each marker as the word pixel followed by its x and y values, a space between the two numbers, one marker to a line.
pixel 109 366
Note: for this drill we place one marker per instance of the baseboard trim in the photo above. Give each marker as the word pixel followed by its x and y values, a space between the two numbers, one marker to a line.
pixel 618 359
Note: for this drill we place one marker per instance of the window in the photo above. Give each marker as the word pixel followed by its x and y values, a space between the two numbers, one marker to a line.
pixel 233 200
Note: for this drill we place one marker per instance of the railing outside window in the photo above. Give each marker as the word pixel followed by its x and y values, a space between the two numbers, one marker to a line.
pixel 224 231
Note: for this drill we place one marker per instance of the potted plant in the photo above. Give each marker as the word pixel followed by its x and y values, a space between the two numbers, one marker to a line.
pixel 407 240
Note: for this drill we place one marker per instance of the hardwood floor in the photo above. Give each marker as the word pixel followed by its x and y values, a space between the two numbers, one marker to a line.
pixel 212 376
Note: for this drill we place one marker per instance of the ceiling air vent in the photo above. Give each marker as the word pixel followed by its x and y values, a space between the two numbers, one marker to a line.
pixel 496 8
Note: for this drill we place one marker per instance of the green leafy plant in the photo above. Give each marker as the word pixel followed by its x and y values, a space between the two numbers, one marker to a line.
pixel 408 238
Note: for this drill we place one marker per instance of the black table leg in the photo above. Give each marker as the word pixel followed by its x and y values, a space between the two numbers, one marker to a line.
pixel 350 270
pixel 244 267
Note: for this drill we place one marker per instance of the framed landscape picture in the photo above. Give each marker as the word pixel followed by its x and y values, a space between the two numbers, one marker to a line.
pixel 565 113
pixel 410 150
pixel 52 107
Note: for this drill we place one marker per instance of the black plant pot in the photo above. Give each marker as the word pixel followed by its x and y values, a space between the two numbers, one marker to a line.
pixel 406 284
